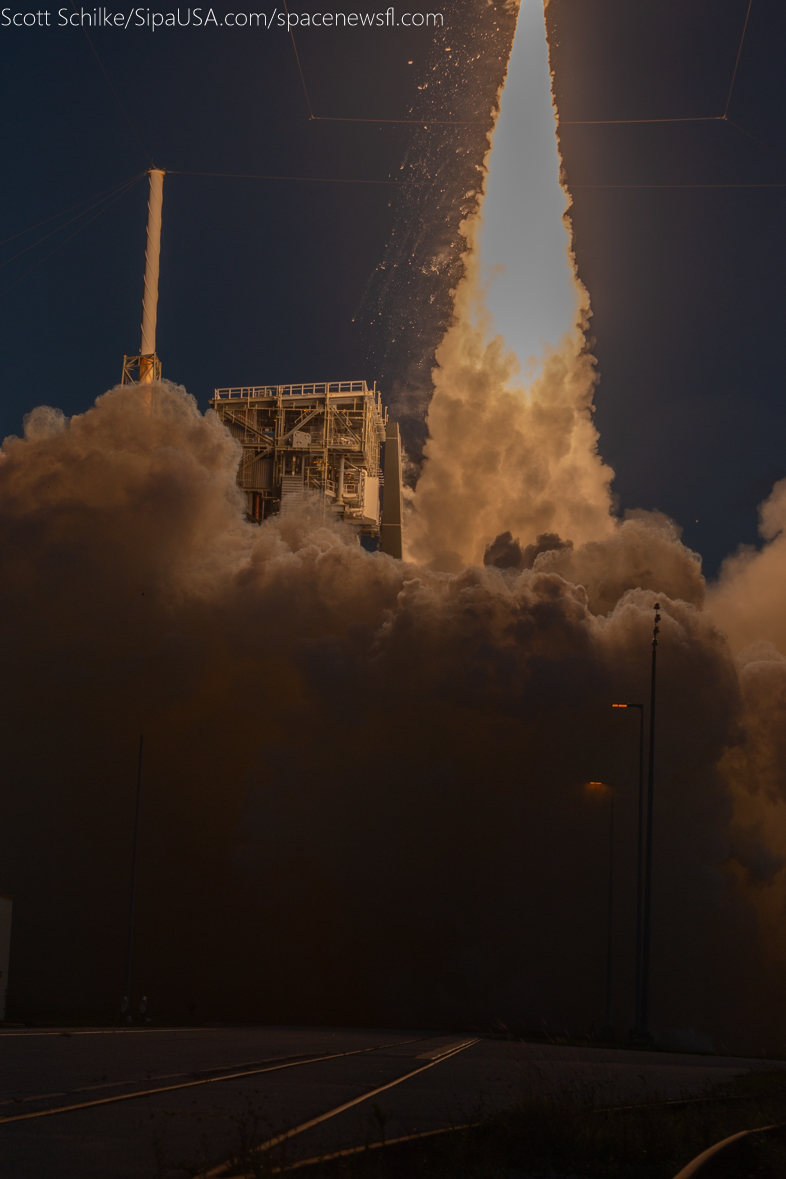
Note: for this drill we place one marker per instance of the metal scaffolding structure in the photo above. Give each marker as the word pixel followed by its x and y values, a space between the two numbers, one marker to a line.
pixel 319 438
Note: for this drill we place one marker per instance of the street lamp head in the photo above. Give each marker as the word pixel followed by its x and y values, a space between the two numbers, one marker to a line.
pixel 598 787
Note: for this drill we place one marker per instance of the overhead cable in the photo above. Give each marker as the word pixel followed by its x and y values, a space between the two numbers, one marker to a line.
pixel 297 59
pixel 683 119
pixel 126 115
pixel 586 186
pixel 306 179
pixel 108 194
pixel 40 262
pixel 425 123
pixel 615 122
pixel 739 55
pixel 62 213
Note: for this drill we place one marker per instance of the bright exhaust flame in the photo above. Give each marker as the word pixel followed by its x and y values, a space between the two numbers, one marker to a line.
pixel 524 241
pixel 502 455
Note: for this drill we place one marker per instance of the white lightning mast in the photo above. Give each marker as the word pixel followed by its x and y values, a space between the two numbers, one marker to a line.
pixel 146 367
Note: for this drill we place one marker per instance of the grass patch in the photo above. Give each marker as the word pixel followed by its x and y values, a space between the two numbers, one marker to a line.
pixel 566 1136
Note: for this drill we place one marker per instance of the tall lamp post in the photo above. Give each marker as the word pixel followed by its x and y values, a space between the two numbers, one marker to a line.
pixel 125 1006
pixel 639 867
pixel 601 788
pixel 644 1032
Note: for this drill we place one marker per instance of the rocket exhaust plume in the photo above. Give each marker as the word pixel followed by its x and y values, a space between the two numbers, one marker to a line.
pixel 533 296
pixel 511 442
pixel 364 776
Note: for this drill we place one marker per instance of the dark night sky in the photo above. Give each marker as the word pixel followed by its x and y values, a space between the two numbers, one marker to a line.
pixel 272 282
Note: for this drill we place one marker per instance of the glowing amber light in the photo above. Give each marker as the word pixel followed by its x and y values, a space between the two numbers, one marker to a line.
pixel 598 787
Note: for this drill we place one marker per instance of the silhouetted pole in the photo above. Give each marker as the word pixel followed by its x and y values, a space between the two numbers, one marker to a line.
pixel 608 1030
pixel 126 1004
pixel 647 906
pixel 639 868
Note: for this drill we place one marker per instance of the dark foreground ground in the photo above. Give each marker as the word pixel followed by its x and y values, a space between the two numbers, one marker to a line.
pixel 537 1104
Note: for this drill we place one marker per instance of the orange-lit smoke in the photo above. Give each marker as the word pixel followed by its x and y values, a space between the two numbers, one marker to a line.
pixel 511 441
pixel 362 793
pixel 499 455
pixel 512 472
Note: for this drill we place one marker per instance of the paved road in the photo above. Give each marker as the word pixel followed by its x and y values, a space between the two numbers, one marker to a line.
pixel 173 1133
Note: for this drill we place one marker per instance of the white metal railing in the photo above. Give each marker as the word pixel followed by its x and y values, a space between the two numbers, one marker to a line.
pixel 247 392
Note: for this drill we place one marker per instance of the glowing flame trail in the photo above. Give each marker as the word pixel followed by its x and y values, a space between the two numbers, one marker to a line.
pixel 533 297
pixel 501 456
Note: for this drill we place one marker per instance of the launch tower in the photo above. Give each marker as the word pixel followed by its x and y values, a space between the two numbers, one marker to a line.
pixel 146 367
pixel 321 438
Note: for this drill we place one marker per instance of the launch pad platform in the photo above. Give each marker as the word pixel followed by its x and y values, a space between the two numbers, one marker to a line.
pixel 321 438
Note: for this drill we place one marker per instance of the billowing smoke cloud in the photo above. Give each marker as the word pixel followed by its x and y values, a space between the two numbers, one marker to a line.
pixel 747 603
pixel 362 793
pixel 748 599
pixel 509 457
pixel 500 457
pixel 506 553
